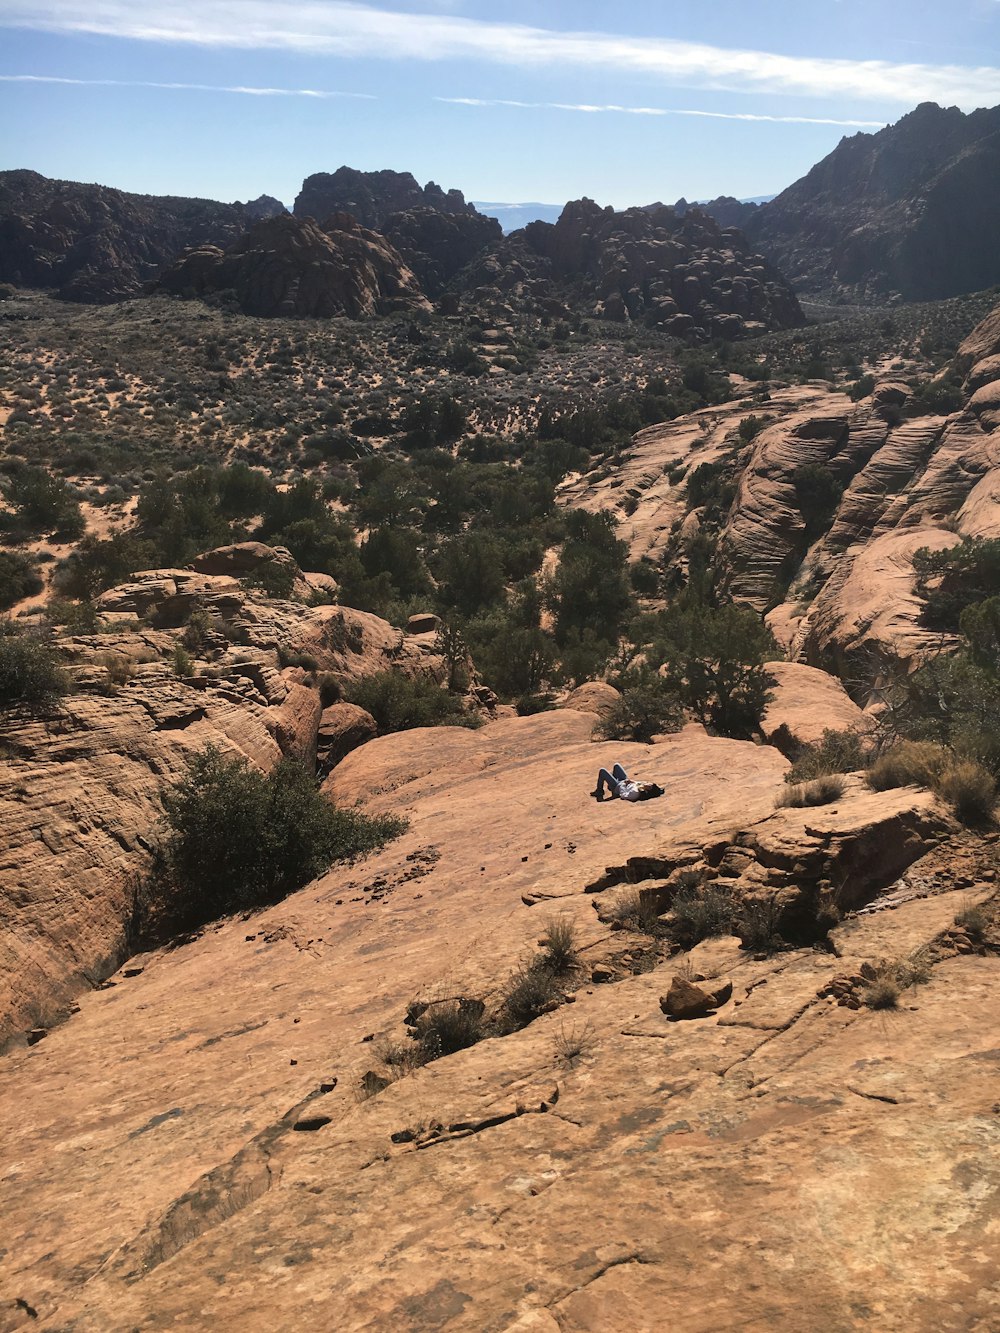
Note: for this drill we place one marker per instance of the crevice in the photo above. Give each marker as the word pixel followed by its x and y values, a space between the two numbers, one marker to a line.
pixel 874 1096
pixel 623 1262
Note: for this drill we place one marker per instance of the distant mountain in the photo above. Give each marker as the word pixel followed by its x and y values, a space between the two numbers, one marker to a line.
pixel 514 216
pixel 93 243
pixel 913 209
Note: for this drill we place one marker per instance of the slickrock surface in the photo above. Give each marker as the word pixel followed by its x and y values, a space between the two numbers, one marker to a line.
pixel 786 1162
pixel 806 702
pixel 79 790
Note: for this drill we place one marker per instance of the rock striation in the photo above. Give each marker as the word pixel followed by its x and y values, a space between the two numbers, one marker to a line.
pixel 913 209
pixel 291 266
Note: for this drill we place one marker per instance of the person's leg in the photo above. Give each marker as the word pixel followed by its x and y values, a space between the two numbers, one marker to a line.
pixel 604 779
pixel 619 774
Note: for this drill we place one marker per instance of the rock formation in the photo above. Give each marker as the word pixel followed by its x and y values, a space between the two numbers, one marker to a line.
pixel 291 266
pixel 686 275
pixel 92 243
pixel 373 196
pixel 438 245
pixel 913 209
pixel 624 1163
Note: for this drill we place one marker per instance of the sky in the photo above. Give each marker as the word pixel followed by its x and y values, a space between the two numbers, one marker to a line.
pixel 508 100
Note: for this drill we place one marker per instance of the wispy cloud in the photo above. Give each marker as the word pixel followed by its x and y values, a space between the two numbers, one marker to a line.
pixel 345 28
pixel 590 109
pixel 245 91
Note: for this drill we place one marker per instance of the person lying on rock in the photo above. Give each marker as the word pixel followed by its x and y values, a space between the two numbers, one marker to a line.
pixel 618 783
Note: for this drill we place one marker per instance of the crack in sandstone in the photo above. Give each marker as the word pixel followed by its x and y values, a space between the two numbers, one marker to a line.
pixel 624 1261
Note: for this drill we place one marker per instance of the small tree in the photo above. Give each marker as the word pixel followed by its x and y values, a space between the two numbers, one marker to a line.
pixel 714 659
pixel 30 671
pixel 647 707
pixel 238 838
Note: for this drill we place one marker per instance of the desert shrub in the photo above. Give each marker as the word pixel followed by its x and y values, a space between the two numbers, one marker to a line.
pixel 590 588
pixel 757 925
pixel 528 991
pixel 951 701
pixel 818 493
pixel 700 913
pixel 980 624
pixel 949 581
pixel 398 702
pixel 885 981
pixel 118 666
pixel 75 617
pixel 646 708
pixel 630 909
pixel 273 578
pixel 42 503
pixel 530 704
pixel 861 388
pixel 820 791
pixel 909 763
pixel 974 920
pixel 970 790
pixel 560 945
pixel 714 662
pixel 447 1027
pixel 30 672
pixel 236 838
pixel 19 578
pixel 836 752
pixel 330 689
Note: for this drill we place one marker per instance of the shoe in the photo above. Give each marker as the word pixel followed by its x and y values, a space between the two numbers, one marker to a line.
pixel 597 795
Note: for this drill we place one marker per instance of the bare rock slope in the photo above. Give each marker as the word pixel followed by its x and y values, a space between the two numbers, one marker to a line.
pixel 772 1164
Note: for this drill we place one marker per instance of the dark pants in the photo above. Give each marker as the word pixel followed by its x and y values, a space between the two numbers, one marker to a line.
pixel 611 780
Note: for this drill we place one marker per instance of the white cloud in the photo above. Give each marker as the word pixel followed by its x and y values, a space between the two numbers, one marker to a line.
pixel 191 87
pixel 590 109
pixel 345 28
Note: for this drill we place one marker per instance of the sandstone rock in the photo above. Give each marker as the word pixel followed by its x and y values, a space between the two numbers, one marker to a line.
pixel 806 702
pixel 244 558
pixel 373 197
pixel 424 623
pixel 294 724
pixel 343 728
pixel 292 266
pixel 686 1000
pixel 866 219
pixel 594 696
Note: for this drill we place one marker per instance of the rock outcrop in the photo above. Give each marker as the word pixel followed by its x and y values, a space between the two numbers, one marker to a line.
pixel 91 243
pixel 372 197
pixel 216 1089
pixel 913 209
pixel 290 266
pixel 438 245
pixel 686 275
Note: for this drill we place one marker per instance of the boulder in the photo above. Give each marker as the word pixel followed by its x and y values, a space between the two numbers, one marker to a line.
pixel 806 702
pixel 343 727
pixel 294 724
pixel 423 623
pixel 686 1000
pixel 594 696
pixel 244 558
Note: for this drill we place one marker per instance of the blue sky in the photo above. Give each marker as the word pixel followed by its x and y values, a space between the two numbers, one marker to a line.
pixel 511 100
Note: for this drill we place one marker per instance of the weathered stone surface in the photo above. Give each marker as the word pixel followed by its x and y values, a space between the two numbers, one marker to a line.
pixel 343 728
pixel 599 1147
pixel 424 623
pixel 806 702
pixel 295 724
pixel 594 696
pixel 244 558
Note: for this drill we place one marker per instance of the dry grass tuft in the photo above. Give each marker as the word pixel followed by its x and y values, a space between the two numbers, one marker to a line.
pixel 820 791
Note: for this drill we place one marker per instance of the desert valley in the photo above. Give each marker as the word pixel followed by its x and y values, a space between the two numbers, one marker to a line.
pixel 342 544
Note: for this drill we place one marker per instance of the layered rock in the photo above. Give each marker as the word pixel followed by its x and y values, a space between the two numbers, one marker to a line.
pixel 291 266
pixel 92 243
pixel 913 209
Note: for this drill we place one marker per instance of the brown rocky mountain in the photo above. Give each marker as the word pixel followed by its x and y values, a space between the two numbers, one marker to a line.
pixel 373 196
pixel 913 209
pixel 437 245
pixel 291 266
pixel 93 243
pixel 685 275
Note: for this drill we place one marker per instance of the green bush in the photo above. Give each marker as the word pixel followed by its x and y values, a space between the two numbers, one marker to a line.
pixel 19 578
pixel 237 838
pixel 836 752
pixel 30 672
pixel 398 702
pixel 701 912
pixel 647 707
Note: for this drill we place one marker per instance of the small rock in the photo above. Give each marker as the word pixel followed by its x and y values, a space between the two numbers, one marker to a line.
pixel 132 972
pixel 403 1136
pixel 686 1000
pixel 601 973
pixel 36 1035
pixel 328 1085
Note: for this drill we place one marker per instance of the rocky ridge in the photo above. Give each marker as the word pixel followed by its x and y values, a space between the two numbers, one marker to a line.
pixel 93 244
pixel 911 210
pixel 373 197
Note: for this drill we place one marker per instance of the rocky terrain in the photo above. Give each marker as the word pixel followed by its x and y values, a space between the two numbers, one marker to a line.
pixel 539 1062
pixel 373 197
pixel 93 243
pixel 290 266
pixel 912 209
